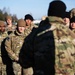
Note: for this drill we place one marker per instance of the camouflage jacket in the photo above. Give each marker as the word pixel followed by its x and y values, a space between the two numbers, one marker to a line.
pixel 50 48
pixel 29 29
pixel 13 44
pixel 11 29
pixel 2 37
pixel 72 13
pixel 73 30
pixel 64 48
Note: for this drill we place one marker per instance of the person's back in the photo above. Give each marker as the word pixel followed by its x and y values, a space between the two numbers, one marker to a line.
pixel 49 48
pixel 64 48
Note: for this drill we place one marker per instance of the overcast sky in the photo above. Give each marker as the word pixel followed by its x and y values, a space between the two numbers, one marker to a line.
pixel 37 8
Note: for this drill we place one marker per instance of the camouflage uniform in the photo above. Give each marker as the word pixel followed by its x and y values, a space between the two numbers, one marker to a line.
pixel 64 49
pixel 73 30
pixel 3 35
pixel 50 49
pixel 72 13
pixel 11 29
pixel 29 25
pixel 29 29
pixel 13 46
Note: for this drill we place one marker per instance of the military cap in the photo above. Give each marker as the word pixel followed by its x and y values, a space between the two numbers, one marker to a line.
pixel 72 19
pixel 21 23
pixel 57 8
pixel 2 23
pixel 28 16
pixel 8 17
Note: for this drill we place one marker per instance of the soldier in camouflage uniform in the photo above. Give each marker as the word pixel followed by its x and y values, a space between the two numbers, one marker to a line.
pixel 29 23
pixel 50 48
pixel 10 27
pixel 3 35
pixel 13 45
pixel 72 13
pixel 72 24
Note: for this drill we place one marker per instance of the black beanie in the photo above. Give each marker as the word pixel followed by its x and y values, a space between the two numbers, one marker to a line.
pixel 72 19
pixel 28 16
pixel 57 8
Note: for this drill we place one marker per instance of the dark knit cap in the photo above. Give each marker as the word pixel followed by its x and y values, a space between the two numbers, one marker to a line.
pixel 28 16
pixel 21 23
pixel 2 23
pixel 72 19
pixel 57 8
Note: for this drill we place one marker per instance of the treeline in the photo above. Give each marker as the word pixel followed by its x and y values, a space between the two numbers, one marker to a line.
pixel 5 12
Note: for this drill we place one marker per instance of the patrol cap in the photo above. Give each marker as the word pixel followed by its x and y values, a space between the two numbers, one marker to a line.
pixel 2 23
pixel 57 8
pixel 8 17
pixel 72 19
pixel 28 16
pixel 21 23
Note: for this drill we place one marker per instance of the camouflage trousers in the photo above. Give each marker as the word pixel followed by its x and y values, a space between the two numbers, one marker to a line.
pixel 17 68
pixel 28 71
pixel 2 68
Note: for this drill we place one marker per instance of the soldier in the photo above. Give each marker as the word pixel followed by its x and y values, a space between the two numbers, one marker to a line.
pixel 49 49
pixel 72 24
pixel 72 13
pixel 10 27
pixel 29 23
pixel 3 35
pixel 13 45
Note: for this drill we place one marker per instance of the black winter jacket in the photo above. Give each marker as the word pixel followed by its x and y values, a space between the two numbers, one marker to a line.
pixel 38 50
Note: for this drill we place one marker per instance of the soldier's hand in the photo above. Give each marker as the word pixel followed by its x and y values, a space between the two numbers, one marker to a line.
pixel 17 58
pixel 28 71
